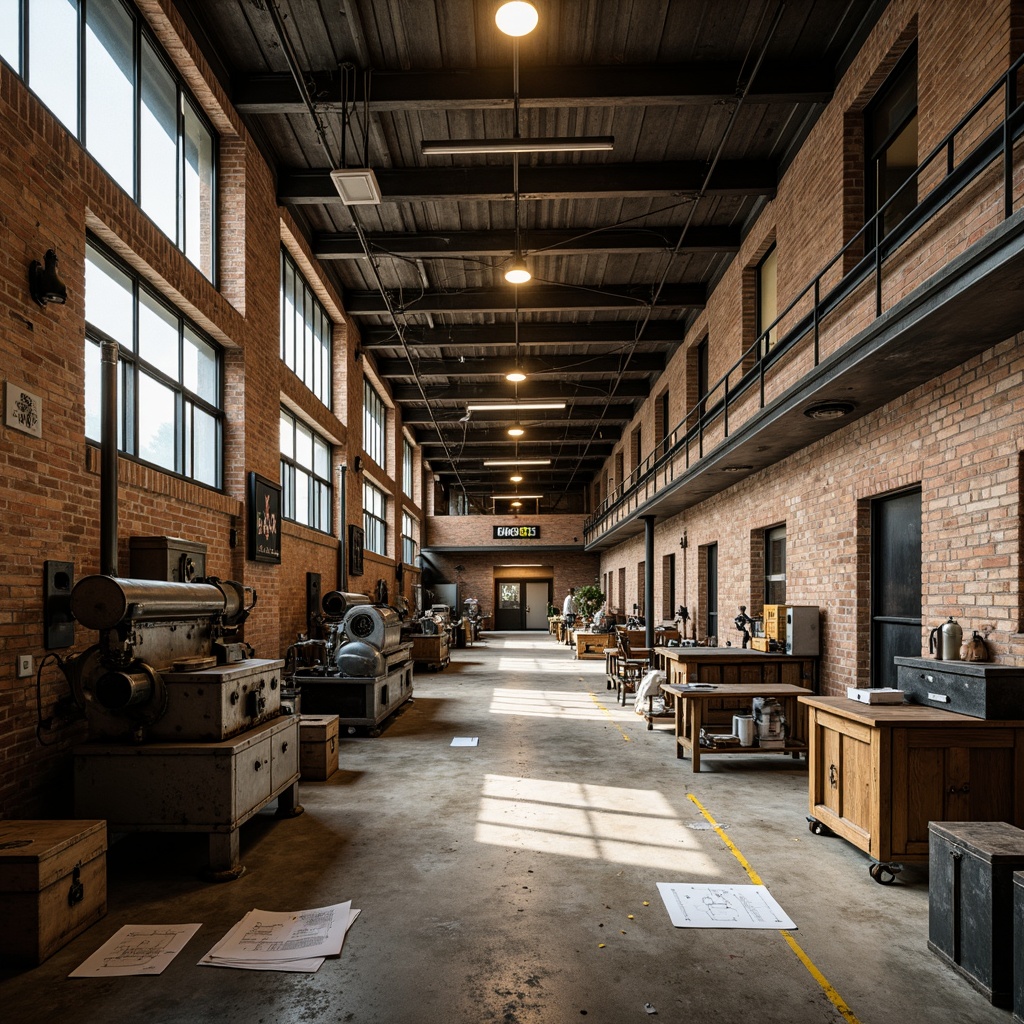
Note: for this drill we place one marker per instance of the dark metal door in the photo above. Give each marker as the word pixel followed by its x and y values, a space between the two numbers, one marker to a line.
pixel 895 583
pixel 712 608
pixel 508 606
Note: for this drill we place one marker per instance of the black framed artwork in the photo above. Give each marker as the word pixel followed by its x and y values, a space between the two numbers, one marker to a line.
pixel 355 550
pixel 264 520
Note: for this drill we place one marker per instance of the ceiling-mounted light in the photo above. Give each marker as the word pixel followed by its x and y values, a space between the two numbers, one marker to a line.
pixel 515 375
pixel 534 144
pixel 517 504
pixel 357 186
pixel 516 430
pixel 511 406
pixel 829 410
pixel 518 273
pixel 517 462
pixel 517 479
pixel 516 18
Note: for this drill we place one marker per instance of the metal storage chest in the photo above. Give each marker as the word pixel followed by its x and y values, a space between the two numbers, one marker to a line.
pixel 970 901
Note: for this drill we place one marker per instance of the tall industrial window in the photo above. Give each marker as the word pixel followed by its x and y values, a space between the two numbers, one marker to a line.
pixel 775 565
pixel 375 523
pixel 767 301
pixel 169 374
pixel 664 427
pixel 890 141
pixel 668 586
pixel 641 588
pixel 375 418
pixel 408 462
pixel 410 533
pixel 305 474
pixel 305 332
pixel 95 65
pixel 703 375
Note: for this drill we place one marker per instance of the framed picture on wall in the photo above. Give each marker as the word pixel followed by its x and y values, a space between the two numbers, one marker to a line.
pixel 355 550
pixel 264 520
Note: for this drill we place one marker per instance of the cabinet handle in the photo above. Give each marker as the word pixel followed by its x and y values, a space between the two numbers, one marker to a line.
pixel 257 766
pixel 833 775
pixel 965 788
pixel 284 746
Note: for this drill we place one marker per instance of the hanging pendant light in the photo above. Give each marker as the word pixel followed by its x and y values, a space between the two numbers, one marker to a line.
pixel 518 273
pixel 516 430
pixel 515 375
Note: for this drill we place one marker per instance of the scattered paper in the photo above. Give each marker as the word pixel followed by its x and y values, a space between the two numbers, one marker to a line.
pixel 722 906
pixel 465 741
pixel 137 949
pixel 284 941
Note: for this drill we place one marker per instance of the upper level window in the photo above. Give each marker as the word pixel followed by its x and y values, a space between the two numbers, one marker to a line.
pixel 410 532
pixel 375 523
pixel 169 374
pixel 408 461
pixel 890 140
pixel 767 301
pixel 305 332
pixel 305 474
pixel 129 108
pixel 374 425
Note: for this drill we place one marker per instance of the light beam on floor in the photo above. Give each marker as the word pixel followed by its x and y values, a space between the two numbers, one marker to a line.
pixel 545 704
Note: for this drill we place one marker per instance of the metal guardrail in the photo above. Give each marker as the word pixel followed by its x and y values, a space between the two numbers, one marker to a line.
pixel 836 290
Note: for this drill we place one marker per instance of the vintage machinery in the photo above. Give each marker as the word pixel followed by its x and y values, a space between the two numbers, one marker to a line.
pixel 187 727
pixel 365 672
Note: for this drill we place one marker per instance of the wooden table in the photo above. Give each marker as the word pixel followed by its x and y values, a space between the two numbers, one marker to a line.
pixel 695 707
pixel 880 772
pixel 720 665
pixel 592 643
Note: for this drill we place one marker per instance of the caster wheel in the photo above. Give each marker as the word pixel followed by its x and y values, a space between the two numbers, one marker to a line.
pixel 818 828
pixel 373 733
pixel 884 874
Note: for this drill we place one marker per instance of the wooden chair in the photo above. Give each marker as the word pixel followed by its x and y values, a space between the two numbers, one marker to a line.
pixel 631 668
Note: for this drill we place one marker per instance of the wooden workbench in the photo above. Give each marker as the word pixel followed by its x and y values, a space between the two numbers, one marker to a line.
pixel 592 645
pixel 697 708
pixel 880 772
pixel 728 665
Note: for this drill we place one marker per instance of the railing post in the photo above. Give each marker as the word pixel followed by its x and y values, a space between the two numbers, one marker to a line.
pixel 1011 103
pixel 725 409
pixel 817 320
pixel 878 267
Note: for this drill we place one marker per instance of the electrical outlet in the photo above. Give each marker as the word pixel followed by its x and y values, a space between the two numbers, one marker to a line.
pixel 25 666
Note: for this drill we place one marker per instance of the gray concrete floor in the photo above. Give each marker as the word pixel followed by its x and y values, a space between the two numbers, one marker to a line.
pixel 515 882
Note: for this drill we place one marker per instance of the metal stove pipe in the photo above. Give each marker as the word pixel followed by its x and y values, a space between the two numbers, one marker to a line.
pixel 108 459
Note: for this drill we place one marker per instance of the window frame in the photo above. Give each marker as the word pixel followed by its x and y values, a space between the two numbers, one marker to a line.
pixel 314 364
pixel 410 535
pixel 319 488
pixel 375 424
pixel 408 468
pixel 375 526
pixel 772 577
pixel 765 317
pixel 140 33
pixel 133 368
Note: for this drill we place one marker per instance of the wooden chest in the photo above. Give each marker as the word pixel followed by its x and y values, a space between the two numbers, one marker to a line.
pixel 774 617
pixel 318 746
pixel 53 884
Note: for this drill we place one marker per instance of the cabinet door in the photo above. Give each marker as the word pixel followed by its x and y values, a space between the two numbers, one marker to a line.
pixel 844 781
pixel 950 774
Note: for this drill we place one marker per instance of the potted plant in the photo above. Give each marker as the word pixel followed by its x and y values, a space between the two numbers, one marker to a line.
pixel 589 599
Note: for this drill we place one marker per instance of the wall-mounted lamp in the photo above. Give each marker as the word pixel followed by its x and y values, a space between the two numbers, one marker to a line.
pixel 683 542
pixel 357 464
pixel 44 283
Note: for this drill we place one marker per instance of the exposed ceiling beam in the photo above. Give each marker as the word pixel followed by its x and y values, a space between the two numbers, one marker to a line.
pixel 695 82
pixel 644 362
pixel 567 242
pixel 534 299
pixel 488 183
pixel 580 413
pixel 534 391
pixel 612 333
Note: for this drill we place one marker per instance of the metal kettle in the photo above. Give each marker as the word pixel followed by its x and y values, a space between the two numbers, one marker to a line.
pixel 944 641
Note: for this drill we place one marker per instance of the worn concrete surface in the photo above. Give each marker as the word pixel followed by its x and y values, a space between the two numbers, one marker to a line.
pixel 515 882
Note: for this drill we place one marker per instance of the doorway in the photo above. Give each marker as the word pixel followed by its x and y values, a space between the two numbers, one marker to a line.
pixel 521 604
pixel 895 583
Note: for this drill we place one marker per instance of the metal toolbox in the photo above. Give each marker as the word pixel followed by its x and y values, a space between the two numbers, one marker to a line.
pixel 318 750
pixel 970 688
pixel 53 884
pixel 970 901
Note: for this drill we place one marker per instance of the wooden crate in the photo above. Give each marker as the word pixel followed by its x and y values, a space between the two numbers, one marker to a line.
pixel 318 746
pixel 775 622
pixel 53 884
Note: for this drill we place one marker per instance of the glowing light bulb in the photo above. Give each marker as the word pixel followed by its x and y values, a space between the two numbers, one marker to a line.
pixel 516 18
pixel 516 431
pixel 517 273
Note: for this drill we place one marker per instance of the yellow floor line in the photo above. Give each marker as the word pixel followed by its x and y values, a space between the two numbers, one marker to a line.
pixel 604 710
pixel 826 986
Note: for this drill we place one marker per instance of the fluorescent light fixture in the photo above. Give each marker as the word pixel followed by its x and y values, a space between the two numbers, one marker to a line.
pixel 507 407
pixel 514 497
pixel 357 186
pixel 552 144
pixel 517 462
pixel 516 18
